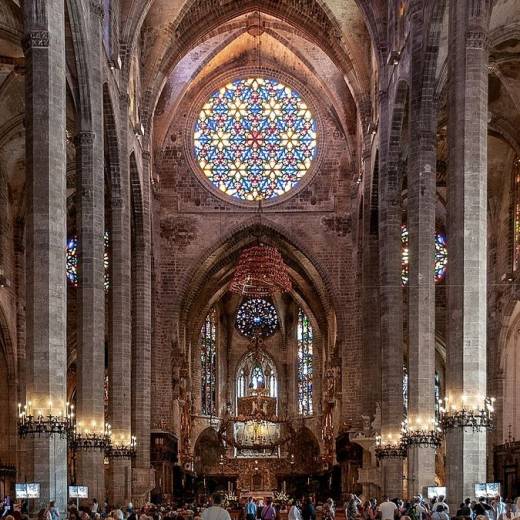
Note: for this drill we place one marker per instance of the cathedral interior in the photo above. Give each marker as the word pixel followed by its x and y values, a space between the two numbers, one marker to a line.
pixel 263 247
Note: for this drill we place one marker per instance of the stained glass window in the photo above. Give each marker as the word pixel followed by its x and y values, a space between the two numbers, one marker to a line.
pixel 72 261
pixel 208 364
pixel 516 215
pixel 305 361
pixel 437 386
pixel 256 317
pixel 405 392
pixel 405 255
pixel 256 371
pixel 106 260
pixel 441 256
pixel 257 377
pixel 255 138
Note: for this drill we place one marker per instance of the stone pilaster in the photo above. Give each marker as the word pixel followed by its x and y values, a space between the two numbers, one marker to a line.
pixel 44 47
pixel 91 300
pixel 142 334
pixel 391 299
pixel 120 350
pixel 467 234
pixel 421 228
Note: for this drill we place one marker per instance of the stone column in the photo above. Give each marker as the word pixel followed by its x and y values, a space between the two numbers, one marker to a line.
pixel 44 47
pixel 142 336
pixel 391 298
pixel 467 233
pixel 120 350
pixel 91 291
pixel 421 228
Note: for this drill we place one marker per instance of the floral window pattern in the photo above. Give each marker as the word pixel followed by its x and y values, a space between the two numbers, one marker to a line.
pixel 305 364
pixel 72 260
pixel 208 364
pixel 440 256
pixel 255 139
pixel 256 317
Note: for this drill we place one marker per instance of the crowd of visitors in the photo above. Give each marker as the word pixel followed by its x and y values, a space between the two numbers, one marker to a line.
pixel 420 508
pixel 355 508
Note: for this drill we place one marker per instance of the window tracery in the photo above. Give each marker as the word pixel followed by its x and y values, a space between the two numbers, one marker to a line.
pixel 305 364
pixel 256 317
pixel 255 139
pixel 208 364
pixel 256 372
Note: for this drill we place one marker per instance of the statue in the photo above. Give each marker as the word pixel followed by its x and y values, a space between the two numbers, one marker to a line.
pixel 366 423
pixel 186 424
pixel 376 423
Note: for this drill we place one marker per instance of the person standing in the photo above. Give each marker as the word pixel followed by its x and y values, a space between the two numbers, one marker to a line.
pixel 250 509
pixel 387 509
pixel 308 511
pixel 216 511
pixel 52 512
pixel 351 507
pixel 268 512
pixel 295 512
pixel 329 511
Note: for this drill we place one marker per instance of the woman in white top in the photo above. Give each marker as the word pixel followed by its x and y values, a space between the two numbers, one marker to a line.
pixel 294 512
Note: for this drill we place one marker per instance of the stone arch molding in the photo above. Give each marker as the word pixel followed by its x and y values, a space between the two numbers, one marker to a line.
pixel 219 261
pixel 239 237
pixel 192 27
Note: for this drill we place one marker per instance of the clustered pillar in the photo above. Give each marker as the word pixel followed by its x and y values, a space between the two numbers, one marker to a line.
pixel 45 458
pixel 467 235
pixel 141 355
pixel 421 283
pixel 391 301
pixel 91 305
pixel 120 351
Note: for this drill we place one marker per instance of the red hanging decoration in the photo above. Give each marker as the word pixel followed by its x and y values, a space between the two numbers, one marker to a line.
pixel 260 272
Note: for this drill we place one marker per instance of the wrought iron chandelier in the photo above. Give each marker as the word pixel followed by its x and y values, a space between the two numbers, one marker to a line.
pixel 388 449
pixel 45 421
pixel 122 449
pixel 260 272
pixel 475 413
pixel 86 439
pixel 423 433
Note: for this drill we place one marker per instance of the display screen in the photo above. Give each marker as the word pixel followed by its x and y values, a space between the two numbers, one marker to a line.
pixel 27 490
pixel 78 492
pixel 436 491
pixel 487 489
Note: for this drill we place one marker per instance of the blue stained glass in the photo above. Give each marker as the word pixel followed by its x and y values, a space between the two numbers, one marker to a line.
pixel 255 139
pixel 208 364
pixel 441 256
pixel 304 337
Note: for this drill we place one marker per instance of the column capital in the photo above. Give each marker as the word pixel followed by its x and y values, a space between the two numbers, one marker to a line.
pixel 32 39
pixel 476 39
pixel 84 138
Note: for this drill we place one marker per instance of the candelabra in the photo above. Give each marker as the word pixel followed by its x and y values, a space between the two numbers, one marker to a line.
pixel 87 439
pixel 477 413
pixel 123 449
pixel 420 432
pixel 50 420
pixel 388 449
